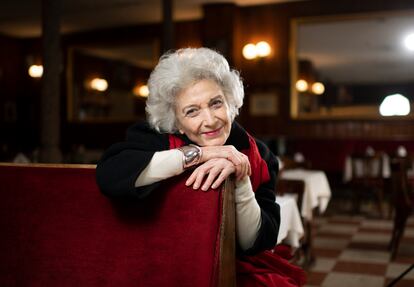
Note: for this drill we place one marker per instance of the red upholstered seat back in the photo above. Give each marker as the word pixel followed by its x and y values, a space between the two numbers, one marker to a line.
pixel 57 229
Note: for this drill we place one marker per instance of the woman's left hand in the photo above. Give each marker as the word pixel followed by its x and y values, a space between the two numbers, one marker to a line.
pixel 216 170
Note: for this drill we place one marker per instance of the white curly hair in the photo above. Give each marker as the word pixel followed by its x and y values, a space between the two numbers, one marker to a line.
pixel 178 70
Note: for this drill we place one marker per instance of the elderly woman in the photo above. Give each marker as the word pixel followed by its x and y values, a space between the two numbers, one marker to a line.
pixel 194 99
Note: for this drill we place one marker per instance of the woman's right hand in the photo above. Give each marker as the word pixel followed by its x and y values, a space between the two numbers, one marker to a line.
pixel 229 152
pixel 211 173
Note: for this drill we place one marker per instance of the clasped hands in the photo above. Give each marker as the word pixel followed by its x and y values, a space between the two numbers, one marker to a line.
pixel 218 163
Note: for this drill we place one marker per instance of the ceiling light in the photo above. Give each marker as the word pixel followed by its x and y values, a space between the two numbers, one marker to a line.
pixel 395 105
pixel 409 42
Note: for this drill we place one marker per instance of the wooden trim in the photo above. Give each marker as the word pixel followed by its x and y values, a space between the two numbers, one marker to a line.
pixel 227 259
pixel 49 165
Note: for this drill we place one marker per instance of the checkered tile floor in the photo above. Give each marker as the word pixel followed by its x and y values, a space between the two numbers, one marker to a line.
pixel 352 251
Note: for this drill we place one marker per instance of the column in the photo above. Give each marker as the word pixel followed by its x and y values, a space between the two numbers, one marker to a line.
pixel 167 25
pixel 50 97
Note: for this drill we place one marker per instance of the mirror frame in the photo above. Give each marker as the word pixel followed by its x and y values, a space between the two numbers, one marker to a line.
pixel 359 112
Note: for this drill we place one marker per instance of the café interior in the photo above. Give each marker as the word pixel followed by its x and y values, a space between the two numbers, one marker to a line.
pixel 329 88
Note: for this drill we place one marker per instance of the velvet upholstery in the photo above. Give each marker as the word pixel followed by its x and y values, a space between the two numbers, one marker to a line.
pixel 57 229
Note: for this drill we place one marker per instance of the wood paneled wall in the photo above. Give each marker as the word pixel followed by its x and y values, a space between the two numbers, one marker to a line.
pixel 228 28
pixel 272 23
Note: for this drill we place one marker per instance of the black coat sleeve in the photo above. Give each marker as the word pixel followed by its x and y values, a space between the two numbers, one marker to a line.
pixel 270 210
pixel 122 163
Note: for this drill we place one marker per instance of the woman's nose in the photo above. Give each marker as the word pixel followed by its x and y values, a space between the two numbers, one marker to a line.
pixel 208 117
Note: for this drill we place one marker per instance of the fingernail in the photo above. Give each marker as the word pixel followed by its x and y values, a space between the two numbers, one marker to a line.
pixel 195 186
pixel 204 188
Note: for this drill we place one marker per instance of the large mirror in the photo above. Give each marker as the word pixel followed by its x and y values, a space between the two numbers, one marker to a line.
pixel 107 83
pixel 345 66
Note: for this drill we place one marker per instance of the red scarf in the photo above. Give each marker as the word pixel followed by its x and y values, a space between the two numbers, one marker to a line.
pixel 260 172
pixel 266 268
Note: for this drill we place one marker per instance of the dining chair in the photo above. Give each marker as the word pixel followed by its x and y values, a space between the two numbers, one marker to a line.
pixel 289 162
pixel 367 180
pixel 402 200
pixel 291 186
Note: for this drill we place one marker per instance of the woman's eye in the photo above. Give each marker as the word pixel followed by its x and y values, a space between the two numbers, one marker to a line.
pixel 217 103
pixel 191 112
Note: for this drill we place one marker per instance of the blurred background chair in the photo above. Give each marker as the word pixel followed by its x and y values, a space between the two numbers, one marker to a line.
pixel 304 255
pixel 291 186
pixel 402 200
pixel 294 161
pixel 367 179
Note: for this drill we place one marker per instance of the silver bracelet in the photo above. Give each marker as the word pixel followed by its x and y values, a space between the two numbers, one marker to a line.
pixel 191 155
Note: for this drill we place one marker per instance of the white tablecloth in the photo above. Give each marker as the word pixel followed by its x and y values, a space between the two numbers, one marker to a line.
pixel 317 190
pixel 291 228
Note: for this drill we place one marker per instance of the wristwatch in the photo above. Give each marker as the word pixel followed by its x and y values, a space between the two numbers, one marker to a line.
pixel 191 155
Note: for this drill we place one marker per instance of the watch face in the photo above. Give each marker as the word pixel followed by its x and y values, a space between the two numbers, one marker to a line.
pixel 190 154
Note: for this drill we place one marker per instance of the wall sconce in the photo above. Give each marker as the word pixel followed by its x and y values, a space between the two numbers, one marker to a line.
pixel 317 88
pixel 141 91
pixel 260 50
pixel 98 84
pixel 35 71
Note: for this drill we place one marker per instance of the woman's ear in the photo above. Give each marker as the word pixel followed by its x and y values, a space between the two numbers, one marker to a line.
pixel 177 125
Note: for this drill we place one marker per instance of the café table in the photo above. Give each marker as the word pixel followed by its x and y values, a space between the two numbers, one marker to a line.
pixel 291 227
pixel 316 194
pixel 317 191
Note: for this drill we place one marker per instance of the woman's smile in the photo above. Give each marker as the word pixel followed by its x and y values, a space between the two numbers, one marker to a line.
pixel 212 133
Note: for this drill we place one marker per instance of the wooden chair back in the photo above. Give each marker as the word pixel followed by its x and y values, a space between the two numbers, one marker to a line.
pixel 402 200
pixel 367 180
pixel 400 186
pixel 367 166
pixel 291 186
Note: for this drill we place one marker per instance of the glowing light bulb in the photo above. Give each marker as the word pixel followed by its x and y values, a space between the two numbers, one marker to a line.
pixel 141 91
pixel 249 51
pixel 36 71
pixel 263 49
pixel 409 42
pixel 301 85
pixel 318 88
pixel 99 84
pixel 395 105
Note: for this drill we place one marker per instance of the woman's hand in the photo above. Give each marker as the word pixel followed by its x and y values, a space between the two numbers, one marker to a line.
pixel 230 153
pixel 216 170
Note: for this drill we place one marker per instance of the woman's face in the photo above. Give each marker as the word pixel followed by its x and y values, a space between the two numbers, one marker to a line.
pixel 203 114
